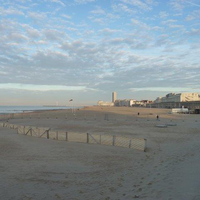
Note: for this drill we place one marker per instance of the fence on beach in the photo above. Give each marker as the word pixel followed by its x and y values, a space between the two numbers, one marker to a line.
pixel 106 117
pixel 90 138
pixel 74 116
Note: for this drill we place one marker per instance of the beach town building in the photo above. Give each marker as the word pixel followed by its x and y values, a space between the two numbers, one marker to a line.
pixel 125 102
pixel 105 103
pixel 114 97
pixel 131 102
pixel 172 100
pixel 181 97
pixel 108 103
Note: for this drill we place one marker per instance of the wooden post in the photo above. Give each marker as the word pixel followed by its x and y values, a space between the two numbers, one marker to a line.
pixel 100 139
pixel 145 144
pixel 47 134
pixel 66 136
pixel 87 137
pixel 106 117
pixel 129 143
pixel 114 137
pixel 56 135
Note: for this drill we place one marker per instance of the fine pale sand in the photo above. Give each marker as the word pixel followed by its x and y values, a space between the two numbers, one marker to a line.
pixel 37 168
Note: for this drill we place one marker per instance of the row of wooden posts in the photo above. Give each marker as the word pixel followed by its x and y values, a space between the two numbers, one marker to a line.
pixel 66 136
pixel 106 117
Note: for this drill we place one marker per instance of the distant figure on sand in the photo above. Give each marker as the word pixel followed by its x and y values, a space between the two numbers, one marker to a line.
pixel 138 114
pixel 157 117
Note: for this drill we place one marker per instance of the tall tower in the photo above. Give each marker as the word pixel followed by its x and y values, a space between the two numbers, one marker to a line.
pixel 114 97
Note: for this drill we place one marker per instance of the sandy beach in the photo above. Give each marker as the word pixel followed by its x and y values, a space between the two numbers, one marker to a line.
pixel 37 168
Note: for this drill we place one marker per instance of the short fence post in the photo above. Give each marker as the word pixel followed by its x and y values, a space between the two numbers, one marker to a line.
pixel 47 134
pixel 66 136
pixel 56 135
pixel 114 137
pixel 100 139
pixel 145 144
pixel 87 137
pixel 129 144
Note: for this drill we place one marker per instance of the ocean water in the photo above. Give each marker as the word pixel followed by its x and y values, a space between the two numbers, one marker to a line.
pixel 21 109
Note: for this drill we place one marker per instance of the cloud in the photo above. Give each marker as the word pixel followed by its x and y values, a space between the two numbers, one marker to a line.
pixel 30 87
pixel 165 89
pixel 123 8
pixel 180 5
pixel 31 32
pixel 98 15
pixel 163 15
pixel 59 2
pixel 195 15
pixel 54 35
pixel 84 1
pixel 192 3
pixel 10 11
pixel 139 4
pixel 108 31
pixel 66 16
pixel 38 16
pixel 98 11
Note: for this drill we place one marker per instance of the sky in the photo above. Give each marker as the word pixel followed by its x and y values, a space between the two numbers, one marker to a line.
pixel 55 50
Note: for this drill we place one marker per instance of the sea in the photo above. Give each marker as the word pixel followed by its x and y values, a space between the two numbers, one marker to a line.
pixel 21 109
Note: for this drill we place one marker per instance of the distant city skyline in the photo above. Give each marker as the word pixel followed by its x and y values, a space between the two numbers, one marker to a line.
pixel 56 50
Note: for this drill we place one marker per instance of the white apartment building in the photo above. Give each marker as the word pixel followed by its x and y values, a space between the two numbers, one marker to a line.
pixel 181 97
pixel 125 102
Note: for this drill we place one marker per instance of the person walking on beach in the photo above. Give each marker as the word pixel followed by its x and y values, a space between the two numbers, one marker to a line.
pixel 138 114
pixel 157 117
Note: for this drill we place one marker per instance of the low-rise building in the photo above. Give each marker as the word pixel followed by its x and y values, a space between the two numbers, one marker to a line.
pixel 125 102
pixel 105 103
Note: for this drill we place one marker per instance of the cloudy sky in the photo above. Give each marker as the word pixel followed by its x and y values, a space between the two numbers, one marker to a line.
pixel 55 50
